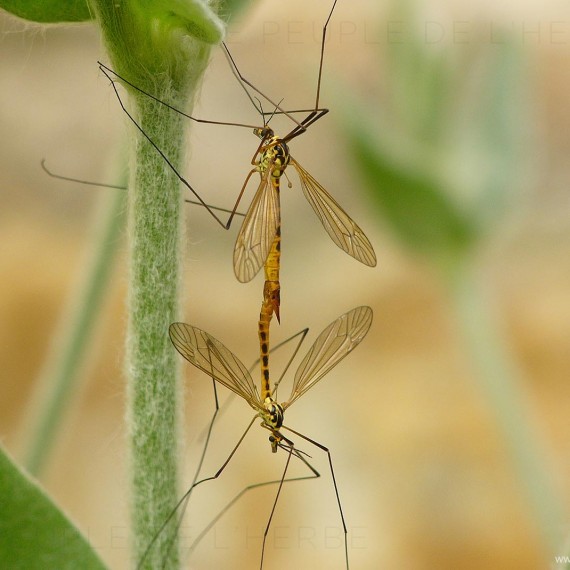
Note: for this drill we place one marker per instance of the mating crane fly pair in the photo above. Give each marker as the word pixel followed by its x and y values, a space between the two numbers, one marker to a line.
pixel 258 244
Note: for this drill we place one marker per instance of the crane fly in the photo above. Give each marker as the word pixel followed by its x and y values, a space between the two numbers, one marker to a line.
pixel 259 229
pixel 206 435
pixel 212 357
pixel 263 218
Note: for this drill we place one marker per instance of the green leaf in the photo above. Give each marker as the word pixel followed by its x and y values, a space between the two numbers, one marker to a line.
pixel 49 11
pixel 193 17
pixel 34 533
pixel 230 8
pixel 420 213
pixel 153 43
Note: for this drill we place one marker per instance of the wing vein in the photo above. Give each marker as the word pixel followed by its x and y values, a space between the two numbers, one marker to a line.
pixel 341 228
pixel 212 357
pixel 338 339
pixel 257 231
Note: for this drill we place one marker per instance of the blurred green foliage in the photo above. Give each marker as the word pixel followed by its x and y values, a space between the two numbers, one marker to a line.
pixel 441 151
pixel 421 215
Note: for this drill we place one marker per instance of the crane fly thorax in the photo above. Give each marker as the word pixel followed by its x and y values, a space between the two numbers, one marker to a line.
pixel 272 417
pixel 274 153
pixel 273 414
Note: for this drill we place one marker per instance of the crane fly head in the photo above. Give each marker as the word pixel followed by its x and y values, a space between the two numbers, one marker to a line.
pixel 264 132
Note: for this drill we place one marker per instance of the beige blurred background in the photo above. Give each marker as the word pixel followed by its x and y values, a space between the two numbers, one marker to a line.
pixel 423 475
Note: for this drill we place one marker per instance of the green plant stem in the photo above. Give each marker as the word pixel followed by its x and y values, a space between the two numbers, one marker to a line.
pixel 500 383
pixel 154 391
pixel 61 376
pixel 158 47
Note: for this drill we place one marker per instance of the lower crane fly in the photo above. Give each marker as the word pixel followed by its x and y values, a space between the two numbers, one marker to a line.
pixel 212 357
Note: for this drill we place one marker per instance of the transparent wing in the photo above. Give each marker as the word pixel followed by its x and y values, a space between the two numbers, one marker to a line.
pixel 212 357
pixel 331 346
pixel 339 225
pixel 257 231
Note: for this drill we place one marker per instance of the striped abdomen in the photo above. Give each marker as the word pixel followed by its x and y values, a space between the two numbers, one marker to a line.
pixel 276 157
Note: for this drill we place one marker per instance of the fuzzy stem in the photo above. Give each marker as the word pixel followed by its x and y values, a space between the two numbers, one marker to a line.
pixel 501 384
pixel 154 385
pixel 159 47
pixel 60 378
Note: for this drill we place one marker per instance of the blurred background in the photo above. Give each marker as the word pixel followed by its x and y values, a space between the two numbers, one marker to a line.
pixel 447 142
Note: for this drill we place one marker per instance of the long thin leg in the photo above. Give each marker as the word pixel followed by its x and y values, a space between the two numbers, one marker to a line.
pixel 105 69
pixel 315 114
pixel 323 55
pixel 326 450
pixel 242 80
pixel 277 112
pixel 183 502
pixel 78 180
pixel 303 334
pixel 117 187
pixel 265 533
pixel 172 167
pixel 198 468
pixel 290 450
pixel 313 117
pixel 301 127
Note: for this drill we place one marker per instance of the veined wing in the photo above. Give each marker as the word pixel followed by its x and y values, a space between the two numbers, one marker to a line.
pixel 212 357
pixel 339 225
pixel 331 346
pixel 257 231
